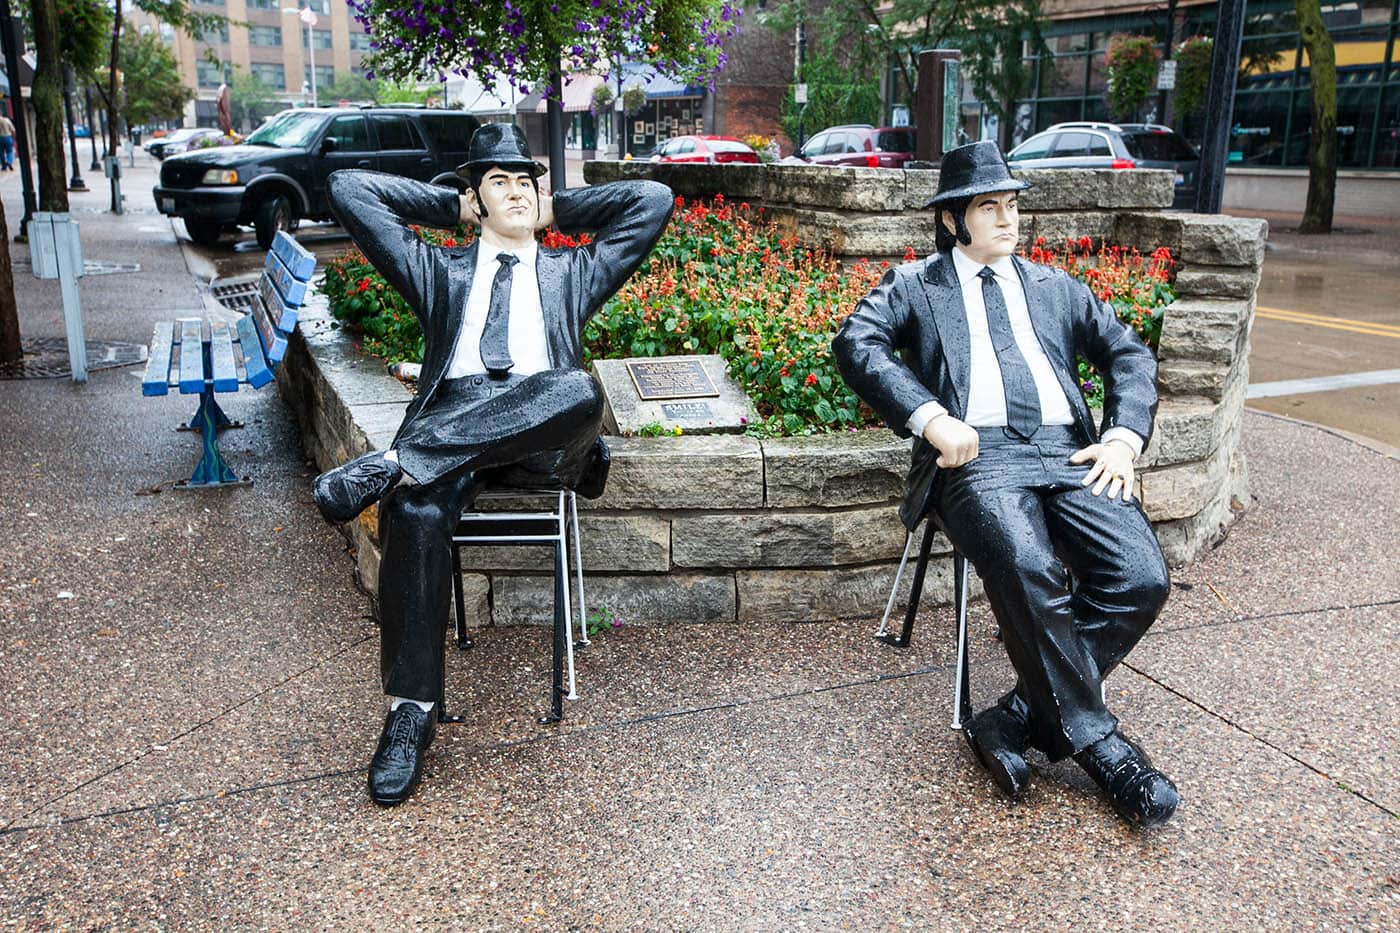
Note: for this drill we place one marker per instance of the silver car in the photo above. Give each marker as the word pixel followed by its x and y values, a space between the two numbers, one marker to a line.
pixel 1113 145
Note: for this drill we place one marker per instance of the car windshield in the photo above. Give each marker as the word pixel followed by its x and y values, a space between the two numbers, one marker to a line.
pixel 289 130
pixel 1158 147
pixel 895 141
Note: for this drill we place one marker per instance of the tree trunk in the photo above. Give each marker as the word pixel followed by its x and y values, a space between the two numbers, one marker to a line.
pixel 48 108
pixel 1322 143
pixel 113 111
pixel 10 351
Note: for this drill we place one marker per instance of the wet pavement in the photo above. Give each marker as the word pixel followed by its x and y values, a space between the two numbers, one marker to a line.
pixel 191 698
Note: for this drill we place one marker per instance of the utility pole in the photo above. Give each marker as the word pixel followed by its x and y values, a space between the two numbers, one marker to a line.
pixel 11 45
pixel 1166 57
pixel 1220 106
pixel 75 183
pixel 801 69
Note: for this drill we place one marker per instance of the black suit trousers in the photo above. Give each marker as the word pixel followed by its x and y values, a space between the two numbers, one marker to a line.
pixel 1020 514
pixel 474 433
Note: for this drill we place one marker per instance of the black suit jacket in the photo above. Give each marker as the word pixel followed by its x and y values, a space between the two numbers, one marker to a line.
pixel 907 343
pixel 626 219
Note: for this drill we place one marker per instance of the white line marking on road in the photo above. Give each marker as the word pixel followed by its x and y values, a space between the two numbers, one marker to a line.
pixel 1322 383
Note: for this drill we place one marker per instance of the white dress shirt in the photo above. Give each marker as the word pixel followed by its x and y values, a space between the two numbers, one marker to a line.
pixel 529 350
pixel 986 400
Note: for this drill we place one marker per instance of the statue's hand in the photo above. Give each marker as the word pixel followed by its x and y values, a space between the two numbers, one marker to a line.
pixel 1113 468
pixel 546 218
pixel 468 214
pixel 955 441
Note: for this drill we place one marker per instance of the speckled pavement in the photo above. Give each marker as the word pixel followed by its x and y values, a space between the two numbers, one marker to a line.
pixel 190 699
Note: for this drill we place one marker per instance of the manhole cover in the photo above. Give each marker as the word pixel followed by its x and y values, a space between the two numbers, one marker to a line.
pixel 47 358
pixel 95 266
pixel 236 296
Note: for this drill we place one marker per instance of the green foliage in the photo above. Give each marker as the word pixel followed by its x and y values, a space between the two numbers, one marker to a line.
pixel 155 91
pixel 388 93
pixel 634 98
pixel 349 86
pixel 1192 75
pixel 86 33
pixel 995 46
pixel 602 619
pixel 250 100
pixel 1131 64
pixel 832 97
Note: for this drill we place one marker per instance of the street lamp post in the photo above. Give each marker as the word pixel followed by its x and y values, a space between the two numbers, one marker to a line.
pixel 309 18
pixel 75 183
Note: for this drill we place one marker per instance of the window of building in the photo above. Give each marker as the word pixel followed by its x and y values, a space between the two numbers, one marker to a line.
pixel 325 75
pixel 264 4
pixel 215 36
pixel 396 132
pixel 359 41
pixel 322 38
pixel 212 75
pixel 265 35
pixel 167 32
pixel 273 75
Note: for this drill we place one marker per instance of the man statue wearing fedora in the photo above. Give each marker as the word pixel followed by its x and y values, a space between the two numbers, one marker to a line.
pixel 973 352
pixel 502 393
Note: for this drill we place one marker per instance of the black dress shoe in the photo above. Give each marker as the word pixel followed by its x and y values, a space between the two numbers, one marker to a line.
pixel 998 737
pixel 352 487
pixel 398 761
pixel 1140 793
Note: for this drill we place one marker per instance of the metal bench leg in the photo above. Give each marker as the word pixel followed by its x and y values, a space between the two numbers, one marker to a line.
pixel 561 637
pixel 561 570
pixel 578 568
pixel 221 420
pixel 459 600
pixel 962 700
pixel 212 470
pixel 920 569
pixel 894 590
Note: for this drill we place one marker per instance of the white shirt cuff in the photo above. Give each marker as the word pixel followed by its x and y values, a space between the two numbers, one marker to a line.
pixel 1127 436
pixel 923 415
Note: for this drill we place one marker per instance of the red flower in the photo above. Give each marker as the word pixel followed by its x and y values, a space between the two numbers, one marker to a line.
pixel 363 286
pixel 811 379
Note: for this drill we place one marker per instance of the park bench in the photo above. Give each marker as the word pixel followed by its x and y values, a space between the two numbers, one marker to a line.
pixel 204 357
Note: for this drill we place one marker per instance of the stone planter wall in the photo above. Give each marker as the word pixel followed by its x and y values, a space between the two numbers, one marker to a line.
pixel 697 529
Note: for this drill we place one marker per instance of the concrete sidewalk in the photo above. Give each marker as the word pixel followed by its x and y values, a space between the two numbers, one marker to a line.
pixel 191 697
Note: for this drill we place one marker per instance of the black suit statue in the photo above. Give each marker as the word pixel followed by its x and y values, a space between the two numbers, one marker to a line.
pixel 494 426
pixel 1021 498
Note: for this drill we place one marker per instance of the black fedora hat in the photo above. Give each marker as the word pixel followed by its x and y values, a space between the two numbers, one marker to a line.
pixel 500 144
pixel 977 168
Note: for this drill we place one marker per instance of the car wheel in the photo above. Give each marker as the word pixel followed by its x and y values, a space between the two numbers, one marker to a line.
pixel 204 232
pixel 273 214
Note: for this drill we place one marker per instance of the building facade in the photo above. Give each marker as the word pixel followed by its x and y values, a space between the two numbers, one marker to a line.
pixel 266 38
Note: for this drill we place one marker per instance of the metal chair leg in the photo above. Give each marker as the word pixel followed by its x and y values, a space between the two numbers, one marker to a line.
pixel 578 568
pixel 894 590
pixel 561 639
pixel 459 600
pixel 561 571
pixel 915 592
pixel 962 700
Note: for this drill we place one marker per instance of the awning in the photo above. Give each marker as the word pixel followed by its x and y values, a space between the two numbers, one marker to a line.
pixel 656 85
pixel 578 94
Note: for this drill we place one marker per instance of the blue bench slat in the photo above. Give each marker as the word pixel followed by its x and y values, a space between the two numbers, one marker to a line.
pixel 254 362
pixel 298 260
pixel 225 374
pixel 274 344
pixel 157 378
pixel 191 355
pixel 283 317
pixel 292 289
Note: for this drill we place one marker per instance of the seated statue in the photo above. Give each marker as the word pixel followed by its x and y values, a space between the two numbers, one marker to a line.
pixel 502 391
pixel 973 351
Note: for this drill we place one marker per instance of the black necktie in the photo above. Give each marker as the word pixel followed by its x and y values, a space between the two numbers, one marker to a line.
pixel 495 336
pixel 1022 398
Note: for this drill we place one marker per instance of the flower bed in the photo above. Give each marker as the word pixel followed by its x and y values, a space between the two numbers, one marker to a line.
pixel 722 280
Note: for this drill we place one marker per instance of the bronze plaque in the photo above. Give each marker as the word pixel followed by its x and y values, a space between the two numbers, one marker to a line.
pixel 658 379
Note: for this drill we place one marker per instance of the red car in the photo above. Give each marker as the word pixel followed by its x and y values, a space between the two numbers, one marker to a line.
pixel 861 145
pixel 715 149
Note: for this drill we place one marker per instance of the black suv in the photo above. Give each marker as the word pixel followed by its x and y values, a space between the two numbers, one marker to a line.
pixel 278 175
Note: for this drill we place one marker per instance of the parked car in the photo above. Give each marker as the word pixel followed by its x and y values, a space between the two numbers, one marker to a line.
pixel 1113 145
pixel 180 141
pixel 277 177
pixel 716 149
pixel 860 145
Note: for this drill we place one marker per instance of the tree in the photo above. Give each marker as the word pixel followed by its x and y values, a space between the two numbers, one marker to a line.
pixel 46 94
pixel 524 42
pixel 250 100
pixel 155 91
pixel 1322 141
pixel 352 87
pixel 835 95
pixel 1192 75
pixel 995 49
